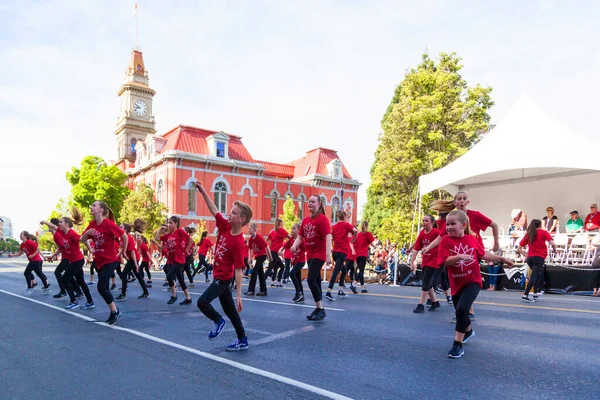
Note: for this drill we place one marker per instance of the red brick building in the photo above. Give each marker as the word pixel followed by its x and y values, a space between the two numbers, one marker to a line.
pixel 169 162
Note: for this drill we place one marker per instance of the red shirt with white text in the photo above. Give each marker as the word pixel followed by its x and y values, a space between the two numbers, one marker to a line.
pixel 462 272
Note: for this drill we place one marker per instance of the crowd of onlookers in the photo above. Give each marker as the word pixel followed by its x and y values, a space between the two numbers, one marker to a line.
pixel 551 223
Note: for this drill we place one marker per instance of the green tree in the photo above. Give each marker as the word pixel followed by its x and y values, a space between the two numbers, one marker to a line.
pixel 289 214
pixel 140 203
pixel 9 245
pixel 46 241
pixel 96 180
pixel 434 118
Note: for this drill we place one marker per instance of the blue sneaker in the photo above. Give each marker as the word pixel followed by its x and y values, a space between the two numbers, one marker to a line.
pixel 87 306
pixel 217 329
pixel 72 306
pixel 238 345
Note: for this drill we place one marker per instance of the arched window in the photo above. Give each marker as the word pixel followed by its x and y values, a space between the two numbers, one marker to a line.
pixel 301 200
pixel 192 200
pixel 335 207
pixel 221 197
pixel 160 192
pixel 132 144
pixel 273 205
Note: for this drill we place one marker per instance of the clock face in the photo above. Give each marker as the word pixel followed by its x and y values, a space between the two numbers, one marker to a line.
pixel 140 108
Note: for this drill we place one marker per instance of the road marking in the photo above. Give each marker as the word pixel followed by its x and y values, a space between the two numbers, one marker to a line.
pixel 283 335
pixel 234 364
pixel 277 302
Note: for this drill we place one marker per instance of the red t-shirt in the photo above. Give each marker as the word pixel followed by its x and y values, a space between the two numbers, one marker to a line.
pixel 441 226
pixel 203 246
pixel 298 255
pixel 315 231
pixel 132 247
pixel 29 247
pixel 58 239
pixel 72 251
pixel 287 253
pixel 175 244
pixel 229 251
pixel 362 243
pixel 463 272
pixel 340 231
pixel 105 241
pixel 350 256
pixel 276 237
pixel 592 222
pixel 478 223
pixel 538 248
pixel 258 245
pixel 145 252
pixel 423 240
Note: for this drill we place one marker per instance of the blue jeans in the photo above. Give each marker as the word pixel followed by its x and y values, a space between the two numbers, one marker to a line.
pixel 493 269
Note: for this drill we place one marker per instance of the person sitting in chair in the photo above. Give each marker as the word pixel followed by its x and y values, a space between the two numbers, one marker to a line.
pixel 550 221
pixel 592 221
pixel 575 224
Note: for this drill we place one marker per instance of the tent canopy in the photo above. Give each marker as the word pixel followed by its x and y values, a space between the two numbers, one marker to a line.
pixel 527 145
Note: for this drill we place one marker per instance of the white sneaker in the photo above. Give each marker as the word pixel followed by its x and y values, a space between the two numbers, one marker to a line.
pixel 28 292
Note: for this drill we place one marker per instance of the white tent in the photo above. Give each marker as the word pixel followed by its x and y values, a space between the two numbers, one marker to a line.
pixel 528 161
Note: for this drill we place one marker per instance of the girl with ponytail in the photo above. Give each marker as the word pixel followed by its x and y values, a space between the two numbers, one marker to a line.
pixel 189 258
pixel 133 259
pixel 205 246
pixel 275 242
pixel 29 247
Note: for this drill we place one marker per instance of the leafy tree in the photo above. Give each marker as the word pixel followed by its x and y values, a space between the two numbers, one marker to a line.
pixel 9 245
pixel 289 214
pixel 434 118
pixel 46 242
pixel 96 180
pixel 140 203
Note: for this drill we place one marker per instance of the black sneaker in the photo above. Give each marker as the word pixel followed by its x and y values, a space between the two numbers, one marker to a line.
pixel 300 298
pixel 60 295
pixel 428 303
pixel 353 288
pixel 273 285
pixel 420 309
pixel 312 314
pixel 329 296
pixel 191 285
pixel 364 291
pixel 260 294
pixel 456 351
pixel 527 299
pixel 207 281
pixel 172 300
pixel 319 315
pixel 468 336
pixel 144 296
pixel 296 297
pixel 122 296
pixel 449 300
pixel 249 293
pixel 341 294
pixel 186 301
pixel 114 317
pixel 535 297
pixel 113 287
pixel 435 306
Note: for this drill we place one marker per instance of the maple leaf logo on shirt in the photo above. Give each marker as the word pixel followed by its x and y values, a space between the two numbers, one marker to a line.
pixel 309 231
pixel 98 238
pixel 255 248
pixel 171 243
pixel 460 250
pixel 66 244
pixel 221 248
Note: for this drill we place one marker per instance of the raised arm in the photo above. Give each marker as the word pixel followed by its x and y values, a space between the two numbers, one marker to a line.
pixel 494 227
pixel 51 227
pixel 211 205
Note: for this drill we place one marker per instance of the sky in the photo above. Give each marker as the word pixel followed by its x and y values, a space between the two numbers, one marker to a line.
pixel 287 76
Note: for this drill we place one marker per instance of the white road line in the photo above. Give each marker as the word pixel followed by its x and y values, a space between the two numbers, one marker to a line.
pixel 283 335
pixel 276 302
pixel 234 364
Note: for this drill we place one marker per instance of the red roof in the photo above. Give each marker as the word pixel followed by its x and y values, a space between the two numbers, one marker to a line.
pixel 275 169
pixel 315 162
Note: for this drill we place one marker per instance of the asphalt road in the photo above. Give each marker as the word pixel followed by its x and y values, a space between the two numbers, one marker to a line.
pixel 369 347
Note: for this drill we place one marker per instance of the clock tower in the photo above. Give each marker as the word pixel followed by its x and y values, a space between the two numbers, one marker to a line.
pixel 135 120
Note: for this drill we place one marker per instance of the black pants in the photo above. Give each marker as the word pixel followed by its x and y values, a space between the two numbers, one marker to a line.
pixel 222 290
pixel 145 265
pixel 314 278
pixel 176 272
pixel 93 268
pixel 274 265
pixel 349 270
pixel 119 272
pixel 188 267
pixel 430 277
pixel 285 271
pixel 59 274
pixel 104 275
pixel 339 259
pixel 202 262
pixel 130 268
pixel 75 272
pixel 536 264
pixel 296 276
pixel 360 274
pixel 463 301
pixel 258 270
pixel 35 266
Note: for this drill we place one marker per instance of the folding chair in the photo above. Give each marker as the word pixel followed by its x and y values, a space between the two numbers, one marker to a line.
pixel 561 241
pixel 579 246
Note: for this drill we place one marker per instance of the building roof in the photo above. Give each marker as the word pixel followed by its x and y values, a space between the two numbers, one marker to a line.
pixel 276 169
pixel 315 162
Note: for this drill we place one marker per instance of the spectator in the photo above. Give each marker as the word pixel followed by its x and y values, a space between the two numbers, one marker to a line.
pixel 550 221
pixel 575 224
pixel 592 221
pixel 391 261
pixel 519 221
pixel 380 261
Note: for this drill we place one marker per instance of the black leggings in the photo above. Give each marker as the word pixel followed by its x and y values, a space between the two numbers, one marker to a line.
pixel 59 274
pixel 104 275
pixel 202 262
pixel 35 266
pixel 130 268
pixel 463 301
pixel 188 267
pixel 145 265
pixel 349 270
pixel 259 271
pixel 75 272
pixel 176 272
pixel 339 259
pixel 430 277
pixel 296 275
pixel 274 265
pixel 536 264
pixel 222 290
pixel 360 274
pixel 314 278
pixel 285 271
pixel 93 268
pixel 119 272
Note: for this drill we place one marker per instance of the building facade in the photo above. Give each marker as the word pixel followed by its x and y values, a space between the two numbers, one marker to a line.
pixel 6 228
pixel 171 161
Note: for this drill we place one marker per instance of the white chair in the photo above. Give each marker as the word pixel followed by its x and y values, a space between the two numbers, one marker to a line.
pixel 488 243
pixel 578 250
pixel 562 243
pixel 593 250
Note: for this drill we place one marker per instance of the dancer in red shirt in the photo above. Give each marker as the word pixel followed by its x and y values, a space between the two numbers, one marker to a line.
pixel 177 243
pixel 535 240
pixel 29 247
pixel 205 246
pixel 103 231
pixel 228 262
pixel 316 232
pixel 340 232
pixel 260 249
pixel 275 241
pixel 189 258
pixel 361 247
pixel 431 269
pixel 298 260
pixel 133 259
pixel 461 252
pixel 144 251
